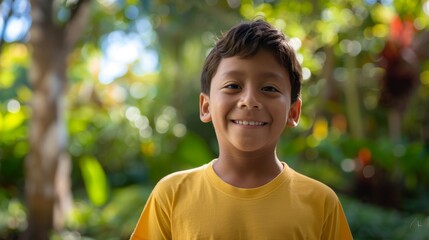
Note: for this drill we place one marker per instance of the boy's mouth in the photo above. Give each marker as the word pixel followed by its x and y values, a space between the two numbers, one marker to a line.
pixel 249 123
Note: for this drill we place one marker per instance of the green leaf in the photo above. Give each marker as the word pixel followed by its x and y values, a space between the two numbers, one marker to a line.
pixel 193 151
pixel 95 180
pixel 1 122
pixel 12 120
pixel 6 79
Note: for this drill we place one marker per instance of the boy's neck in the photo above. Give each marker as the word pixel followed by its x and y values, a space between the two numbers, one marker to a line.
pixel 247 170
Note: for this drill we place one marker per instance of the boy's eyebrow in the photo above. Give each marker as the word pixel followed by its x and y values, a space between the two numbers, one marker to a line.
pixel 232 73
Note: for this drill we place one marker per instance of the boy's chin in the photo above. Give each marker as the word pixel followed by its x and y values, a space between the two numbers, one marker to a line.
pixel 253 147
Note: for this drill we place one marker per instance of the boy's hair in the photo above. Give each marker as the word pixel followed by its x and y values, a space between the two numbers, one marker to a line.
pixel 245 40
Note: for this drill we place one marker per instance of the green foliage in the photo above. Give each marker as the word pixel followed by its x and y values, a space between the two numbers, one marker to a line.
pixel 12 216
pixel 115 220
pixel 95 180
pixel 14 114
pixel 193 151
pixel 369 222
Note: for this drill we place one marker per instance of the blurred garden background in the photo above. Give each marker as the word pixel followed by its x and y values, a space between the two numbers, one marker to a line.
pixel 99 100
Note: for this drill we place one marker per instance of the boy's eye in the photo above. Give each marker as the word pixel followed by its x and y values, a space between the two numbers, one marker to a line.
pixel 270 89
pixel 232 86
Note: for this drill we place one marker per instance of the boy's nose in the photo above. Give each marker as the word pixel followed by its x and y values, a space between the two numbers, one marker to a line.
pixel 249 100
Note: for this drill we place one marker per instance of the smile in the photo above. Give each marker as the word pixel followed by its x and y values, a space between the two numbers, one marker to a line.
pixel 249 123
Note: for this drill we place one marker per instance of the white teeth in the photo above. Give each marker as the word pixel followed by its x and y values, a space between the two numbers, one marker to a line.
pixel 249 123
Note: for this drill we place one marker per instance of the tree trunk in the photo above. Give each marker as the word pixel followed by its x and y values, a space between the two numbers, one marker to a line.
pixel 47 166
pixel 352 101
pixel 47 136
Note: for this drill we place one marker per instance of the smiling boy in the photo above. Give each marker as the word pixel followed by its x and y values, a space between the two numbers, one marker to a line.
pixel 250 84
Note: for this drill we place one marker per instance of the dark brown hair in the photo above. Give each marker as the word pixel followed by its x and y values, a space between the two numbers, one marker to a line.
pixel 245 40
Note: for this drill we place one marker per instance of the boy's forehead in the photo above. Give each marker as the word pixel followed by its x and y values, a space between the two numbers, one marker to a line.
pixel 263 63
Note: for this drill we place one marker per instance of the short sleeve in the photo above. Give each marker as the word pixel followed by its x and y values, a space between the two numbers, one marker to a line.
pixel 154 222
pixel 336 226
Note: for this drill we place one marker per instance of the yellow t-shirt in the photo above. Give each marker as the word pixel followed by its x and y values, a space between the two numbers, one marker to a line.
pixel 197 204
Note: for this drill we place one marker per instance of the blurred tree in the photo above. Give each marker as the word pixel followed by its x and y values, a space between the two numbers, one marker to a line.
pixel 401 59
pixel 56 26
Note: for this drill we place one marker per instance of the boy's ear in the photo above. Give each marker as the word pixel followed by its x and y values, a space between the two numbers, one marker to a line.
pixel 205 108
pixel 294 113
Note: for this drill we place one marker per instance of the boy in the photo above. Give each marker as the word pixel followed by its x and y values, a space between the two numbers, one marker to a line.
pixel 250 84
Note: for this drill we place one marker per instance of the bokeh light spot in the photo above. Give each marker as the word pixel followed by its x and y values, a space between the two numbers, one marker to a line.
pixel 13 106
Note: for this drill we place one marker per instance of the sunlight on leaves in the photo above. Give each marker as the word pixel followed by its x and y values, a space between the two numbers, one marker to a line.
pixel 1 122
pixel 424 78
pixel 95 180
pixel 6 79
pixel 320 129
pixel 13 120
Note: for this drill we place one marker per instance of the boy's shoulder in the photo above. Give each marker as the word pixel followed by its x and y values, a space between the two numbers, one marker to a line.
pixel 306 185
pixel 185 178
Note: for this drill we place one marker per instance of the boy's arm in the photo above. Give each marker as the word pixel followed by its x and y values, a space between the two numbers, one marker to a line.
pixel 154 222
pixel 336 226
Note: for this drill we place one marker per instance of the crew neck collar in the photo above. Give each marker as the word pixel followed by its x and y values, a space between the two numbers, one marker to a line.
pixel 246 193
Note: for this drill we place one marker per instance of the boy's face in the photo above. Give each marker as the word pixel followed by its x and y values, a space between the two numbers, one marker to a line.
pixel 250 103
